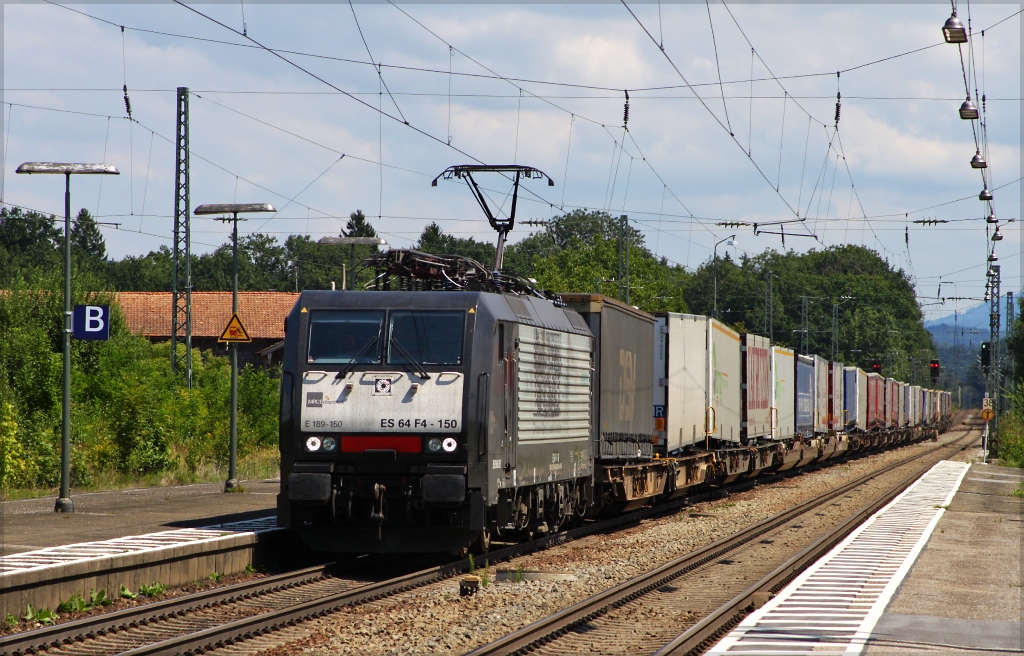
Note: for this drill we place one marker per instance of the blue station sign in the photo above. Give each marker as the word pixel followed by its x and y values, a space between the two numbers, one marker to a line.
pixel 91 322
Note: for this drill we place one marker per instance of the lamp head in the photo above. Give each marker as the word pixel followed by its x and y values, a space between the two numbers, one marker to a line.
pixel 953 31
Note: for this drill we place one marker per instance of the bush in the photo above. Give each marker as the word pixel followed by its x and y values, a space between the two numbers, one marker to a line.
pixel 1011 431
pixel 131 416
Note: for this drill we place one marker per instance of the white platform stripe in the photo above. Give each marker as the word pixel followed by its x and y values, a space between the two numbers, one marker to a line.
pixel 832 606
pixel 73 553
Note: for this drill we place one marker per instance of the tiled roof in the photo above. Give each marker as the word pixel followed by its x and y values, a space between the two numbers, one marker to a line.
pixel 262 313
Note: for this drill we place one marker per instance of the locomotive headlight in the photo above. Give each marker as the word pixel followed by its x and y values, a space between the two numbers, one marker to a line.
pixel 313 444
pixel 330 444
pixel 434 444
pixel 450 444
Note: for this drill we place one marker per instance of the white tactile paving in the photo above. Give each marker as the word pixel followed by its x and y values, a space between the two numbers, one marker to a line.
pixel 73 553
pixel 832 606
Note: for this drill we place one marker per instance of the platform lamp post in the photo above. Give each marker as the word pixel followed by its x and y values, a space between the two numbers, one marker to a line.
pixel 352 242
pixel 730 241
pixel 234 209
pixel 64 503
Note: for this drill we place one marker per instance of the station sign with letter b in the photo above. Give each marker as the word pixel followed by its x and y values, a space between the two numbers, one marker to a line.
pixel 91 322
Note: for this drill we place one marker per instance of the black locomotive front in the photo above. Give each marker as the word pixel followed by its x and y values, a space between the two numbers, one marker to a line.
pixel 375 435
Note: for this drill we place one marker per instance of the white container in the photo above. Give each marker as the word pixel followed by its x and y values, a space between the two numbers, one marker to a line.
pixel 697 378
pixel 855 398
pixel 783 393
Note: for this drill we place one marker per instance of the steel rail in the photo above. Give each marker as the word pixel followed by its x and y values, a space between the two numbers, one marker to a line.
pixel 700 636
pixel 103 623
pixel 229 633
pixel 548 628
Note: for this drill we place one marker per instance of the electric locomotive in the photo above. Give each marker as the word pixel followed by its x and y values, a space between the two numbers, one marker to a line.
pixel 415 421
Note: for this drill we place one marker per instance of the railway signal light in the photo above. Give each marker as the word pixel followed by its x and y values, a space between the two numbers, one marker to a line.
pixel 935 370
pixel 876 367
pixel 986 354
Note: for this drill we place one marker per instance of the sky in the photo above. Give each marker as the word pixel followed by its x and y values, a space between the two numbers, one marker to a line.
pixel 323 109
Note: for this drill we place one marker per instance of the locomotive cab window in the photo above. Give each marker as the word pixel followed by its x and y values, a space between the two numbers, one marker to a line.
pixel 426 337
pixel 351 336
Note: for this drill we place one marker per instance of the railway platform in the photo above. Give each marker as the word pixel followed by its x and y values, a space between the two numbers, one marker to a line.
pixel 173 535
pixel 939 570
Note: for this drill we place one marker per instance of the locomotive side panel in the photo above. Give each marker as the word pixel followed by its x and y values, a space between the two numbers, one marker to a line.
pixel 783 393
pixel 553 394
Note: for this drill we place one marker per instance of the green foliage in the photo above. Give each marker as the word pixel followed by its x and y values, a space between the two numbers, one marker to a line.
pixel 11 621
pixel 40 615
pixel 12 463
pixel 131 417
pixel 125 593
pixel 216 577
pixel 434 240
pixel 154 590
pixel 76 604
pixel 29 244
pixel 472 564
pixel 1011 430
pixel 1015 344
pixel 878 315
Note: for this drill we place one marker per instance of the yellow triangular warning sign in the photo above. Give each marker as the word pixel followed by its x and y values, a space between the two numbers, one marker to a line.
pixel 235 331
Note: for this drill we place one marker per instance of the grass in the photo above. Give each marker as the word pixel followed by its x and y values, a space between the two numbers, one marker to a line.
pixel 261 465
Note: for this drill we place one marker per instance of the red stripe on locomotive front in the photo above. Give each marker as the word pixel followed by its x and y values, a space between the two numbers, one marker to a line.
pixel 399 443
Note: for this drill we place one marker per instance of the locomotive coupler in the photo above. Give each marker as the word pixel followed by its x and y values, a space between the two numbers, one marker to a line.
pixel 377 514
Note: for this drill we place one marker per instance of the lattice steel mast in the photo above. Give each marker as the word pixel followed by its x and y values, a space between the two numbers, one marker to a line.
pixel 181 282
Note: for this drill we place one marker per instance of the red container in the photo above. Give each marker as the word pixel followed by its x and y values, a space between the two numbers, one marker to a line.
pixel 876 401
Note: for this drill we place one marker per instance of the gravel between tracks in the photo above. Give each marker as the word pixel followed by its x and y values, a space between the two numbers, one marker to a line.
pixel 434 619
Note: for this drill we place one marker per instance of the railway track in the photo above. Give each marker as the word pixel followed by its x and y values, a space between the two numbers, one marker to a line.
pixel 194 624
pixel 710 590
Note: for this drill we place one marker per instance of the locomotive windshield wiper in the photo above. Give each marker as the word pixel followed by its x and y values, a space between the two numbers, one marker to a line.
pixel 355 358
pixel 419 370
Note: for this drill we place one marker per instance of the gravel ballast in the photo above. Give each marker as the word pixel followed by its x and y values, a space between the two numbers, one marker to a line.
pixel 435 619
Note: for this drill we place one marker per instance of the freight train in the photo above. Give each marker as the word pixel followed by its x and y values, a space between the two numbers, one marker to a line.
pixel 453 404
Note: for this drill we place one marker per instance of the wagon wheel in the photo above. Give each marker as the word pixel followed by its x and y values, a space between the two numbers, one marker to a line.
pixel 482 544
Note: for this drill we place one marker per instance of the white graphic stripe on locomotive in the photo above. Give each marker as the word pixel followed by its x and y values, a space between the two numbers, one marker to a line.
pixel 832 607
pixel 73 553
pixel 553 386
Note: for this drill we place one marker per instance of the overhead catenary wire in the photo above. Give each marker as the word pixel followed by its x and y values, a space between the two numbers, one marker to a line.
pixel 663 191
pixel 513 79
pixel 689 215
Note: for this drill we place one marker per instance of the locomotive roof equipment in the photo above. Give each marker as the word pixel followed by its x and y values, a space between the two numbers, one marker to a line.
pixel 503 226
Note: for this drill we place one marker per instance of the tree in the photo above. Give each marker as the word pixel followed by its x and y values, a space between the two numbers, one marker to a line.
pixel 358 226
pixel 29 245
pixel 148 273
pixel 434 240
pixel 87 240
pixel 582 267
pixel 561 232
